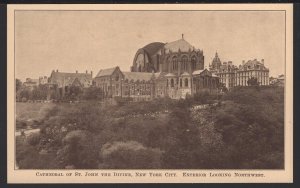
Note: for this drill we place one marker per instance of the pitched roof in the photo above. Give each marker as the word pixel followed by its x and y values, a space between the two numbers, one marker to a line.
pixel 153 47
pixel 214 75
pixel 181 44
pixel 141 76
pixel 106 72
pixel 198 71
pixel 68 78
pixel 254 64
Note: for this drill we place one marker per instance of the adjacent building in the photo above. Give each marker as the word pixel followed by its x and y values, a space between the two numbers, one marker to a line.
pixel 277 81
pixel 31 83
pixel 59 83
pixel 231 75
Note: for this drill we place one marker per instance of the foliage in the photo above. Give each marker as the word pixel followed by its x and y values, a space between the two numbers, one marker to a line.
pixel 131 154
pixel 243 131
pixel 18 85
pixel 92 93
pixel 252 82
pixel 73 93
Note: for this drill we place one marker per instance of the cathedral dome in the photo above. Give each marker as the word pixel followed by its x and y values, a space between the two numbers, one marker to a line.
pixel 153 47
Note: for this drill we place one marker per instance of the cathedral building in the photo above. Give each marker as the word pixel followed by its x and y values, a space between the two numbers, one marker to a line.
pixel 231 75
pixel 174 70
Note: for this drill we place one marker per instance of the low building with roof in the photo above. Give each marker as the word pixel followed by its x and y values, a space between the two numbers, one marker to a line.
pixel 31 83
pixel 277 81
pixel 60 82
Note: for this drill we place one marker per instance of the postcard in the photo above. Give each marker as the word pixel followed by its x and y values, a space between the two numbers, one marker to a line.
pixel 185 93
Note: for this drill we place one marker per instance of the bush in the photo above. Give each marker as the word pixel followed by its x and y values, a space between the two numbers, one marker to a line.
pixel 129 155
pixel 34 139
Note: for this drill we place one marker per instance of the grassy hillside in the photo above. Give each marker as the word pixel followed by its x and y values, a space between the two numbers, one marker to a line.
pixel 245 130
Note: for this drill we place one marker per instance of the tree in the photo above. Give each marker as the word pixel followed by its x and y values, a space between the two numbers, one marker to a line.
pixel 39 92
pixel 92 93
pixel 221 86
pixel 129 155
pixel 252 82
pixel 18 84
pixel 73 93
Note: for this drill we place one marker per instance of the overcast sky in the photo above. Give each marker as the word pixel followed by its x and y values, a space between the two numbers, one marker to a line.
pixel 73 40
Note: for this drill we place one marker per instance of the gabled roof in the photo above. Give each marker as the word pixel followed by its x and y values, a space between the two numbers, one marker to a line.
pixel 68 78
pixel 135 76
pixel 214 75
pixel 181 44
pixel 106 72
pixel 198 71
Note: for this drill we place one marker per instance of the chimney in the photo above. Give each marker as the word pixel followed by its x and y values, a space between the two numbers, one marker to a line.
pixel 263 61
pixel 76 71
pixel 86 72
pixel 56 70
pixel 92 74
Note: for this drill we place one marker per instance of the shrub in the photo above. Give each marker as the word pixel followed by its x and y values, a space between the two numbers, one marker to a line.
pixel 34 139
pixel 129 155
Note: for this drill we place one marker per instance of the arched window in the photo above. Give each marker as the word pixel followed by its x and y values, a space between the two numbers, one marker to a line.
pixel 175 63
pixel 193 62
pixel 186 82
pixel 172 82
pixel 184 61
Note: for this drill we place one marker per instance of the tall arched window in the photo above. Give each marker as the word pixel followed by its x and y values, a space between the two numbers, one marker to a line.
pixel 175 63
pixel 186 82
pixel 193 62
pixel 184 61
pixel 172 82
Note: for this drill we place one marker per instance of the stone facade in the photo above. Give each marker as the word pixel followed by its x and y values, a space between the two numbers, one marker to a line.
pixel 231 75
pixel 60 82
pixel 160 70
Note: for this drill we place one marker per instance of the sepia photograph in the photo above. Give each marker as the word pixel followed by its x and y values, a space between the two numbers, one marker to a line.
pixel 149 89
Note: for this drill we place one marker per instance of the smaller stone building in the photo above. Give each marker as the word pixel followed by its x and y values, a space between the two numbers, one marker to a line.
pixel 146 86
pixel 136 85
pixel 59 83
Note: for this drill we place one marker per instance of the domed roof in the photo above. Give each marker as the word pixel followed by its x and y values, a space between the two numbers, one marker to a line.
pixel 216 60
pixel 153 47
pixel 181 44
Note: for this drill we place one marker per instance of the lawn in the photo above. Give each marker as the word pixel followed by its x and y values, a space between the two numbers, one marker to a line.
pixel 32 111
